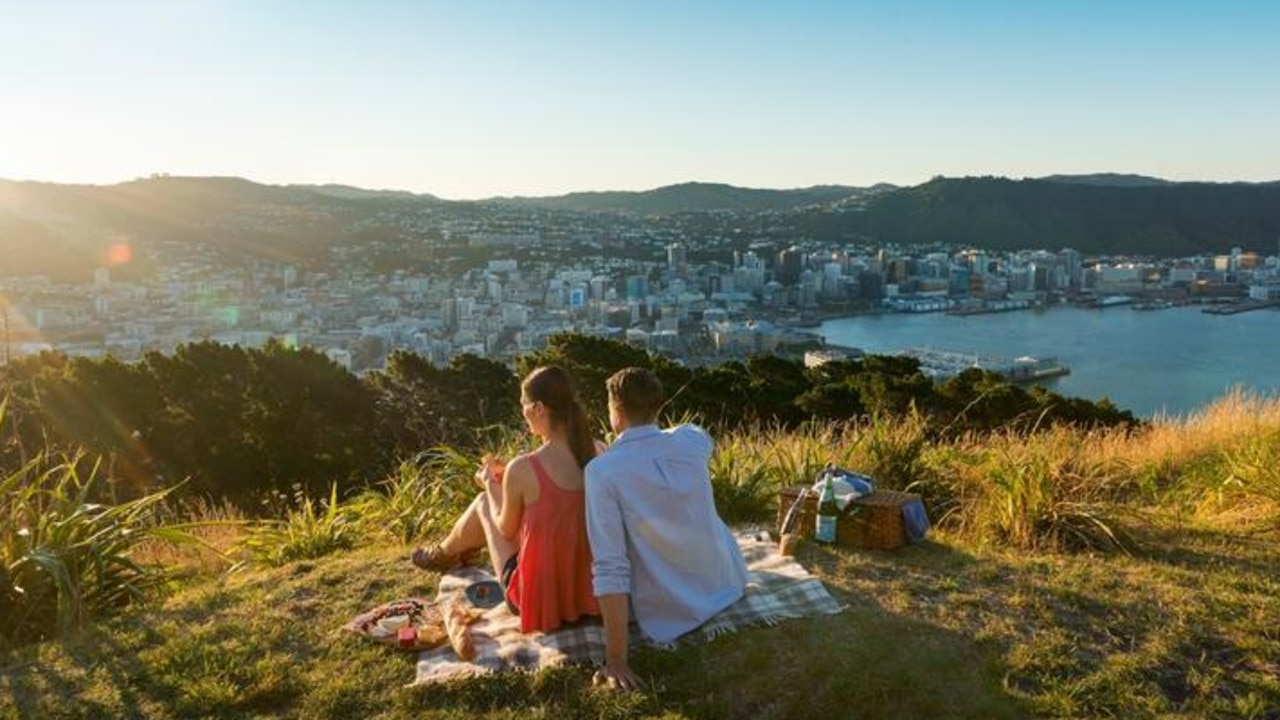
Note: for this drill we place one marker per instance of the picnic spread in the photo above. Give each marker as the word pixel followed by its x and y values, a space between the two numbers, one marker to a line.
pixel 483 640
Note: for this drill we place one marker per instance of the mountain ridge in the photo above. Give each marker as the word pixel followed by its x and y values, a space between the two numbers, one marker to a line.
pixel 50 225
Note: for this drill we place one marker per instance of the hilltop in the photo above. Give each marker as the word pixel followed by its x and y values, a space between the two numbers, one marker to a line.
pixel 941 630
pixel 1083 564
pixel 973 623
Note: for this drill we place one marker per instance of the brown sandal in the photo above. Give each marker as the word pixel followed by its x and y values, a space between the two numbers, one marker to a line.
pixel 434 558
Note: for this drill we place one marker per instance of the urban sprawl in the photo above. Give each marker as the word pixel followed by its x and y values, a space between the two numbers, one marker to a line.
pixel 637 282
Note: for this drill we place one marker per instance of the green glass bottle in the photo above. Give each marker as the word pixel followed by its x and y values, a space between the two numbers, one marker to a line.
pixel 828 513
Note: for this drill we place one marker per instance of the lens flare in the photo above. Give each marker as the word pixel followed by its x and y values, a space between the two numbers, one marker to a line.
pixel 118 253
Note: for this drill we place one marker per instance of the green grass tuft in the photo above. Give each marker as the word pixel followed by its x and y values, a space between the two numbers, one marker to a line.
pixel 312 530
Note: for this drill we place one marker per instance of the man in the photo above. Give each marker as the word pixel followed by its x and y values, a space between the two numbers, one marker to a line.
pixel 658 545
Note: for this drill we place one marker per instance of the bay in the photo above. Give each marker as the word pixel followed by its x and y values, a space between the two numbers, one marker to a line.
pixel 1171 361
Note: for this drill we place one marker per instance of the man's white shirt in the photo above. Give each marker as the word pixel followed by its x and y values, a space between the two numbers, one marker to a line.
pixel 655 533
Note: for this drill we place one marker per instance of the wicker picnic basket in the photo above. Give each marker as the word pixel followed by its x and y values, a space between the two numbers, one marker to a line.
pixel 873 522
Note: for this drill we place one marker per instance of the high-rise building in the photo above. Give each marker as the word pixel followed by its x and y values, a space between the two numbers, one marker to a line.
pixel 790 263
pixel 637 287
pixel 677 259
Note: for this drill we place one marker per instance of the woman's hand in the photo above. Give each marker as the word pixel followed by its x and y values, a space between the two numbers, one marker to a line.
pixel 490 472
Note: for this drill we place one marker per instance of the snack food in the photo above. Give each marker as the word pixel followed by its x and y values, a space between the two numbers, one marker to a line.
pixel 458 620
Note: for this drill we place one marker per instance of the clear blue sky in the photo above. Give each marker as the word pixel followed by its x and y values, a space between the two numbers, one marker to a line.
pixel 472 98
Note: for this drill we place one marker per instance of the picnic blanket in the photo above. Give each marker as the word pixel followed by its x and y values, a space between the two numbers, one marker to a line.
pixel 777 588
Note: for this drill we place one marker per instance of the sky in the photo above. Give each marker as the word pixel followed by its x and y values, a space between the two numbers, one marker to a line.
pixel 480 98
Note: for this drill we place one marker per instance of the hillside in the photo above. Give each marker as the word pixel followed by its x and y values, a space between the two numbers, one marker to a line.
pixel 691 197
pixel 973 623
pixel 996 213
pixel 66 230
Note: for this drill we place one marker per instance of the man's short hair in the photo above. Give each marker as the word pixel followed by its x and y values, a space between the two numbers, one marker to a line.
pixel 637 392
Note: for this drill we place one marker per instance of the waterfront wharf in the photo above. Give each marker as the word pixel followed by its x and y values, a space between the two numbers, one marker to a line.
pixel 1239 307
pixel 941 365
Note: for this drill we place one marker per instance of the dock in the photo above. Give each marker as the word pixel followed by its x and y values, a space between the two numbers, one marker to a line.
pixel 942 365
pixel 1236 308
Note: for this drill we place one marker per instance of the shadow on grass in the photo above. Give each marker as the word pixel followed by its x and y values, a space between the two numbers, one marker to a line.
pixel 1202 549
pixel 1094 636
pixel 41 689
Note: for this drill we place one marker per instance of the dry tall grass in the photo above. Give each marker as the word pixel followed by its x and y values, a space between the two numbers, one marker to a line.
pixel 1060 488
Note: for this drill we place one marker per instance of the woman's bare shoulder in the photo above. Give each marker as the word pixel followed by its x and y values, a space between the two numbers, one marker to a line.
pixel 520 468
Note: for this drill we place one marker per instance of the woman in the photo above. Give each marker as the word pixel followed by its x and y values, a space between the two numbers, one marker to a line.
pixel 533 519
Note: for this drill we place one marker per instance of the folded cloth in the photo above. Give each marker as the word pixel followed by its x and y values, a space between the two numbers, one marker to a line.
pixel 915 520
pixel 849 485
pixel 777 588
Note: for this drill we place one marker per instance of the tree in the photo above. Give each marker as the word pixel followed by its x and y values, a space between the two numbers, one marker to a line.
pixel 590 360
pixel 420 405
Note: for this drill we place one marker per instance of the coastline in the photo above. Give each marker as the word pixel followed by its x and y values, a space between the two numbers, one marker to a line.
pixel 1170 362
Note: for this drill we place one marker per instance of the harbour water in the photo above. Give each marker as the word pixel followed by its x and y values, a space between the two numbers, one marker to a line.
pixel 1173 361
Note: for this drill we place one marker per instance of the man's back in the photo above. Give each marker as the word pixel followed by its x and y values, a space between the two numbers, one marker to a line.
pixel 655 533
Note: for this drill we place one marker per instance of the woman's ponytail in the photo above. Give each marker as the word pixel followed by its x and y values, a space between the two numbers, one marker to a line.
pixel 579 432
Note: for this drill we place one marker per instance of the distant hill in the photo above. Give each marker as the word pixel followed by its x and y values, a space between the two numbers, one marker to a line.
pixel 65 230
pixel 1172 219
pixel 689 197
pixel 348 192
pixel 1109 180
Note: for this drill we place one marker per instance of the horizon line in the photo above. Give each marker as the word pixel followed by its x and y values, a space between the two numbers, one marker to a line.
pixel 417 193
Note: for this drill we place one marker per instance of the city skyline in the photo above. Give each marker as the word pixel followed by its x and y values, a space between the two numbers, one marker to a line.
pixel 485 100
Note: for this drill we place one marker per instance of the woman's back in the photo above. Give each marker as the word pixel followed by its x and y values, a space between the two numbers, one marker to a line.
pixel 560 466
pixel 552 582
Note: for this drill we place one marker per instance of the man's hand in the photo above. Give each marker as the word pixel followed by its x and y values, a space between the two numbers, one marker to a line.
pixel 617 676
pixel 615 610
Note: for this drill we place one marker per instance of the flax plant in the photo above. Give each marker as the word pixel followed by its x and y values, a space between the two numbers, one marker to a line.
pixel 892 448
pixel 65 559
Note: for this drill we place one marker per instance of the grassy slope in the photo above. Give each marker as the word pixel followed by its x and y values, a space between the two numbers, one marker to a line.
pixel 941 629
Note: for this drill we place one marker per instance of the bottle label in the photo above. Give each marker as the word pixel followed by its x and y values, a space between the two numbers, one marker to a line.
pixel 825 532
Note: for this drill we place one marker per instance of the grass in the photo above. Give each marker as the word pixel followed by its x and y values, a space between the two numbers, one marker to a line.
pixel 1018 606
pixel 943 629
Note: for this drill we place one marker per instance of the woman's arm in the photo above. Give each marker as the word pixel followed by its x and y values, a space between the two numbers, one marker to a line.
pixel 515 485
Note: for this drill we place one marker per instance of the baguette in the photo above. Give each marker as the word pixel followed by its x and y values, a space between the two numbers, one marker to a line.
pixel 458 620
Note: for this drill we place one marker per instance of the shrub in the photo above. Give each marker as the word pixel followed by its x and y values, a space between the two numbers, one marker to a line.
pixel 311 530
pixel 745 491
pixel 425 494
pixel 65 559
pixel 1046 491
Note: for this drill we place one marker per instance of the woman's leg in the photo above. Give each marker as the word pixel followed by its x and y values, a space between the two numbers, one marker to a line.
pixel 500 548
pixel 468 532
